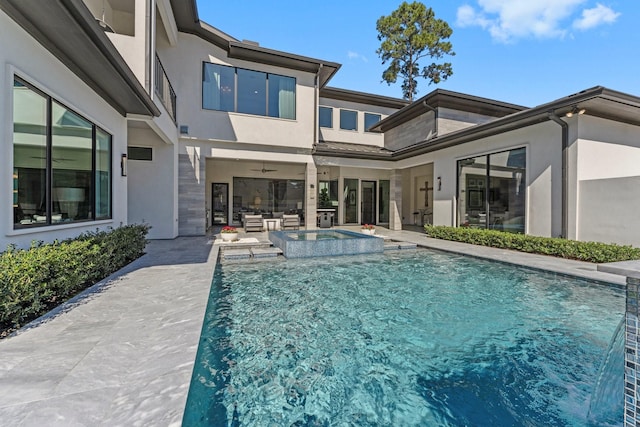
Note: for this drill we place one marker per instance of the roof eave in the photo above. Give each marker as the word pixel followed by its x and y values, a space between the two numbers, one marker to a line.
pixel 514 121
pixel 68 30
pixel 362 97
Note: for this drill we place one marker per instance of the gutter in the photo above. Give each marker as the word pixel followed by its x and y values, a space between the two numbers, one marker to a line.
pixel 565 160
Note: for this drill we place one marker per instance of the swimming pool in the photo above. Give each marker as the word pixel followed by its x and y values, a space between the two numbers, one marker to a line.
pixel 403 339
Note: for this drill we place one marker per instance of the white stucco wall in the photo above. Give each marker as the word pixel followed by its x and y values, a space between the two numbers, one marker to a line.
pixel 184 65
pixel 544 180
pixel 133 47
pixel 608 173
pixel 152 195
pixel 27 59
pixel 359 136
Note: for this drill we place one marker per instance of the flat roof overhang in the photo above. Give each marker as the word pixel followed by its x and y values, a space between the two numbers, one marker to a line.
pixel 441 98
pixel 68 30
pixel 362 97
pixel 597 102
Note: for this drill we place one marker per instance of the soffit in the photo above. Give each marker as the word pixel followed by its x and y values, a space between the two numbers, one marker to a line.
pixel 344 149
pixel 69 31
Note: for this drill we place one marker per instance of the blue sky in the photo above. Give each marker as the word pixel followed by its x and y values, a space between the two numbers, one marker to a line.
pixel 526 52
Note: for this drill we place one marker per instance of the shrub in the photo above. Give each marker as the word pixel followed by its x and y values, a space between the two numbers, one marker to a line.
pixel 584 251
pixel 33 281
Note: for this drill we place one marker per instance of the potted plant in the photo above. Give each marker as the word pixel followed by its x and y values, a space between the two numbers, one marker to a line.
pixel 229 233
pixel 368 229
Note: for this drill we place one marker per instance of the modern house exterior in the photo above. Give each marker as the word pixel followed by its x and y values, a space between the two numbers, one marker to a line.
pixel 115 112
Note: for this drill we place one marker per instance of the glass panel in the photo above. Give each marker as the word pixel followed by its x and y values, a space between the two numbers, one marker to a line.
pixel 282 97
pixel 328 194
pixel 370 120
pixel 103 175
pixel 507 176
pixel 472 176
pixel 252 92
pixel 266 196
pixel 383 208
pixel 368 202
pixel 140 153
pixel 348 120
pixel 219 203
pixel 218 87
pixel 350 199
pixel 71 156
pixel 325 117
pixel 29 156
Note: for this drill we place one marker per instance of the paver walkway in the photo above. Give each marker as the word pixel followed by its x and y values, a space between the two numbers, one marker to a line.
pixel 123 353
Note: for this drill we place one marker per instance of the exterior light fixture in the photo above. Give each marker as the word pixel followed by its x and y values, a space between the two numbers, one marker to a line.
pixel 439 183
pixel 575 110
pixel 123 165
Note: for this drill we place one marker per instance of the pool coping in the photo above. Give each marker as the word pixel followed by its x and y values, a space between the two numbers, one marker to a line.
pixel 122 352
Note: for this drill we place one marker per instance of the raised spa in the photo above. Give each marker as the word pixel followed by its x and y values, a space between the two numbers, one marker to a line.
pixel 303 244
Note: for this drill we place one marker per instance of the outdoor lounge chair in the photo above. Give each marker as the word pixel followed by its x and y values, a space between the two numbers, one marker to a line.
pixel 290 221
pixel 253 223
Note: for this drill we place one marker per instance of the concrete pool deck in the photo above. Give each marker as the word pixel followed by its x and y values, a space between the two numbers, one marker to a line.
pixel 122 352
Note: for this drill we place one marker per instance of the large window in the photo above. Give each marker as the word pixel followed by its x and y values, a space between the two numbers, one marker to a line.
pixel 325 117
pixel 267 197
pixel 245 91
pixel 491 191
pixel 61 162
pixel 348 120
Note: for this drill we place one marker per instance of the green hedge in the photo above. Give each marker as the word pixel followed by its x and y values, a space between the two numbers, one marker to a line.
pixel 562 248
pixel 33 281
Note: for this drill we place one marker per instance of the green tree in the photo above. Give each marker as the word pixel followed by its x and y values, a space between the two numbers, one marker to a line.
pixel 409 34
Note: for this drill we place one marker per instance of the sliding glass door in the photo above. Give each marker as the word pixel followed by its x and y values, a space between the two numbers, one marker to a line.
pixel 491 191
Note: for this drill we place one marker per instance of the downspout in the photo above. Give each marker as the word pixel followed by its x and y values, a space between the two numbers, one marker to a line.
pixel 150 58
pixel 435 118
pixel 316 127
pixel 565 160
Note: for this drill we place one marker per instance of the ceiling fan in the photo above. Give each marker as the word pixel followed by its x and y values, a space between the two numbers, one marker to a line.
pixel 263 170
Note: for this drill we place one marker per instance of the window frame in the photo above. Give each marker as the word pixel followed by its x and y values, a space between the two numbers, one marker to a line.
pixel 346 110
pixel 379 117
pixel 235 90
pixel 48 188
pixel 330 109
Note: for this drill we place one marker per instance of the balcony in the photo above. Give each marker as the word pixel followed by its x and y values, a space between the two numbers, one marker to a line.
pixel 164 90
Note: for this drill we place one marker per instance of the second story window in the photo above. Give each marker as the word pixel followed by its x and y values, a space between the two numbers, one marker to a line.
pixel 348 120
pixel 245 91
pixel 370 119
pixel 325 117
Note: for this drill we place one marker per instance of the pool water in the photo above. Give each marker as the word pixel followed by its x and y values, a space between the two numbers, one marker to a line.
pixel 321 235
pixel 405 339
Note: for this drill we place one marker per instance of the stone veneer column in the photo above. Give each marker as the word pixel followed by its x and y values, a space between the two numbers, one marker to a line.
pixel 311 177
pixel 192 216
pixel 395 200
pixel 631 355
